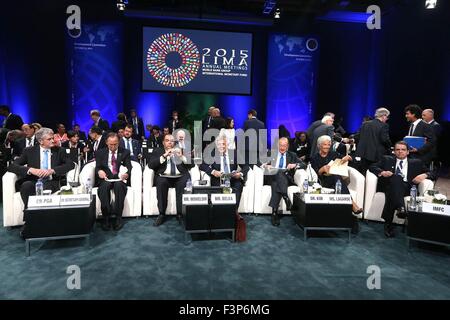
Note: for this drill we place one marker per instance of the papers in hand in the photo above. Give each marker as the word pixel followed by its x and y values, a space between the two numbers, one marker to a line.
pixel 122 170
pixel 273 170
pixel 338 167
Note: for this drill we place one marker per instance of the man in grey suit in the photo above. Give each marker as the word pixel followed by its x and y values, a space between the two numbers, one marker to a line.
pixel 374 141
pixel 325 128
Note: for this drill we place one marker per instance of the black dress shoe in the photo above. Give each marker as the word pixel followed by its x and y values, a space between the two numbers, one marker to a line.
pixel 119 224
pixel 389 230
pixel 288 203
pixel 106 225
pixel 355 227
pixel 179 218
pixel 401 213
pixel 159 221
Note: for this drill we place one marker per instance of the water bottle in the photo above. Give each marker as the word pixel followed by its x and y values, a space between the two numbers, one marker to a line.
pixel 39 187
pixel 413 198
pixel 188 188
pixel 305 186
pixel 338 187
pixel 227 188
pixel 88 186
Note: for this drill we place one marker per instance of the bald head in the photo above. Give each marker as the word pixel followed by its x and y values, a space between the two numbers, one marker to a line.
pixel 428 115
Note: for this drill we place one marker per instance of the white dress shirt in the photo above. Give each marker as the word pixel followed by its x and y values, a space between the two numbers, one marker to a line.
pixel 29 143
pixel 222 163
pixel 404 170
pixel 284 160
pixel 125 140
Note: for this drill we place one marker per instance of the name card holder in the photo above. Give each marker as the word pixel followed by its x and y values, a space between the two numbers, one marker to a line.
pixel 436 208
pixel 315 198
pixel 223 198
pixel 75 200
pixel 328 198
pixel 44 201
pixel 195 199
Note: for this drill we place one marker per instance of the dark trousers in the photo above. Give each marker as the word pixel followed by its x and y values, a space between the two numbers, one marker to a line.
pixel 162 190
pixel 364 166
pixel 28 188
pixel 236 185
pixel 120 191
pixel 395 189
pixel 279 184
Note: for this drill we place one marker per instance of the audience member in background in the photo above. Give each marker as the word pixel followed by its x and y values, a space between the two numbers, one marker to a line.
pixel 11 122
pixel 168 161
pixel 320 161
pixel 229 133
pixel 28 141
pixel 138 125
pixel 36 126
pixel 149 128
pixel 428 117
pixel 283 132
pixel 120 123
pixel 300 146
pixel 396 174
pixel 175 122
pixel 419 128
pixel 374 141
pixel 81 134
pixel 253 123
pixel 326 128
pixel 315 124
pixel 74 148
pixel 282 179
pixel 338 127
pixel 7 147
pixel 108 166
pixel 182 143
pixel 355 136
pixel 44 161
pixel 155 140
pixel 217 121
pixel 61 135
pixel 132 145
pixel 208 121
pixel 96 142
pixel 166 131
pixel 120 133
pixel 98 121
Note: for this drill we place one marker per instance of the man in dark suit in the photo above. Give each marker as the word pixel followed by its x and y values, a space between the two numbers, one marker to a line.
pixel 132 145
pixel 44 161
pixel 374 141
pixel 419 128
pixel 97 141
pixel 171 171
pixel 217 121
pixel 281 179
pixel 252 149
pixel 81 134
pixel 155 140
pixel 174 123
pixel 11 122
pixel 108 162
pixel 98 121
pixel 138 125
pixel 325 128
pixel 315 124
pixel 28 141
pixel 428 117
pixel 120 123
pixel 396 175
pixel 226 162
pixel 207 122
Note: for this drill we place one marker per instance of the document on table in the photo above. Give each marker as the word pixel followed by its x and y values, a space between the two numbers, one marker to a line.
pixel 338 167
pixel 122 170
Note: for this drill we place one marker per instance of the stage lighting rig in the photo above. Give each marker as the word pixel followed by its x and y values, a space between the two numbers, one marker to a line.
pixel 277 14
pixel 430 4
pixel 122 4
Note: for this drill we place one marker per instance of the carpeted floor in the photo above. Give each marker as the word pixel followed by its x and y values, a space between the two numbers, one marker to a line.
pixel 144 262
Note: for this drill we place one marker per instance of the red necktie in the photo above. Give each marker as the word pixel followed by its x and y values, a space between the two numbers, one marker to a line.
pixel 113 163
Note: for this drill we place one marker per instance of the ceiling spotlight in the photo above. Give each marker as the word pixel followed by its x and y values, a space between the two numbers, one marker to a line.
pixel 277 13
pixel 122 4
pixel 430 4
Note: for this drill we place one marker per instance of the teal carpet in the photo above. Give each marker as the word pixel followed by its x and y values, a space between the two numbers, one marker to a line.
pixel 144 262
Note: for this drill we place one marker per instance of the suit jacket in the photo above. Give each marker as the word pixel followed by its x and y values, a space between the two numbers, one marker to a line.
pixel 101 145
pixel 31 158
pixel 13 122
pixel 101 163
pixel 291 157
pixel 218 123
pixel 233 158
pixel 136 148
pixel 205 125
pixel 172 128
pixel 73 153
pixel 374 141
pixel 159 168
pixel 428 150
pixel 140 128
pixel 103 124
pixel 437 128
pixel 311 129
pixel 82 136
pixel 116 125
pixel 19 146
pixel 254 123
pixel 319 131
pixel 155 142
pixel 387 163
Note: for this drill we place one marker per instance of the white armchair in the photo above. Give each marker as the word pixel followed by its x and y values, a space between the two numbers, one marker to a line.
pixel 374 201
pixel 133 199
pixel 263 192
pixel 12 201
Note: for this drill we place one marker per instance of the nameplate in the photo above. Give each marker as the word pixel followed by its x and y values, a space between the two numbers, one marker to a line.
pixel 150 150
pixel 328 198
pixel 43 201
pixel 223 198
pixel 75 200
pixel 436 208
pixel 195 199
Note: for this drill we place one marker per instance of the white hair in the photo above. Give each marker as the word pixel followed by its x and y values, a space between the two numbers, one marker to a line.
pixel 382 112
pixel 322 139
pixel 326 118
pixel 41 133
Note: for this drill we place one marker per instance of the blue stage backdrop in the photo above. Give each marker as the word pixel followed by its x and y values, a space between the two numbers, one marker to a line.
pixel 291 81
pixel 95 71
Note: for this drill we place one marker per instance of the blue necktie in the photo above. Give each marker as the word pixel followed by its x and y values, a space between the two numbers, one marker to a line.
pixel 281 164
pixel 399 169
pixel 44 163
pixel 225 165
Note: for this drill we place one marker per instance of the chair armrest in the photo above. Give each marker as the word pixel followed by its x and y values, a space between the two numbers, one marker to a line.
pixel 371 189
pixel 149 176
pixel 357 183
pixel 88 172
pixel 425 185
pixel 136 175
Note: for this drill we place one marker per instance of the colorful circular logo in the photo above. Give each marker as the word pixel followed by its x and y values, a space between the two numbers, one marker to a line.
pixel 173 60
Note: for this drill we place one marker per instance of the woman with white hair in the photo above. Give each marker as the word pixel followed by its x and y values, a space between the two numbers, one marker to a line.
pixel 320 162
